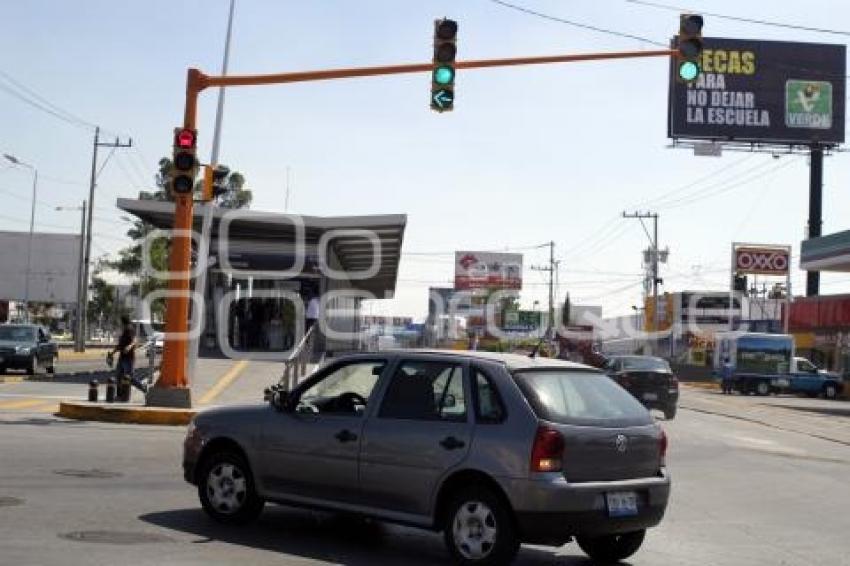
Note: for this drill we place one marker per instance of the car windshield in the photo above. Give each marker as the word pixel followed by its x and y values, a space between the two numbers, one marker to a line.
pixel 644 363
pixel 17 333
pixel 581 398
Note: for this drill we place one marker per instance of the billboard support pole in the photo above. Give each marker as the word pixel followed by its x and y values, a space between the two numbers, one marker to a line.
pixel 815 211
pixel 732 287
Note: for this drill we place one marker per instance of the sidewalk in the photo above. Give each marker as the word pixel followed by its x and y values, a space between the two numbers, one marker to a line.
pixel 217 382
pixel 818 418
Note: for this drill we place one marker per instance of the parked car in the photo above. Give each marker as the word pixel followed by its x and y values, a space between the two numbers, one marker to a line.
pixel 492 449
pixel 28 347
pixel 650 380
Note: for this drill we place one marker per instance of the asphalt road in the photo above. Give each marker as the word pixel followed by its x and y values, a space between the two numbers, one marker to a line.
pixel 74 493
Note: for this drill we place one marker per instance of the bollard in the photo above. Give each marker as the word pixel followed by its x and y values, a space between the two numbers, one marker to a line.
pixel 110 390
pixel 93 391
pixel 123 393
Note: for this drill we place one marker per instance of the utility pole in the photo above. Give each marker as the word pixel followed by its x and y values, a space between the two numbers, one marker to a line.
pixel 87 260
pixel 653 241
pixel 551 268
pixel 815 211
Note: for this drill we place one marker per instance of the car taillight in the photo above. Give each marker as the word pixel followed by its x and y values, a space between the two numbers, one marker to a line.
pixel 662 448
pixel 548 450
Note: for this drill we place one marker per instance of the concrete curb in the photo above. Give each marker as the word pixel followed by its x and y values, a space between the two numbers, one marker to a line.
pixel 702 385
pixel 125 413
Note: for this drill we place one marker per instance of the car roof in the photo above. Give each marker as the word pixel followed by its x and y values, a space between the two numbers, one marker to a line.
pixel 511 361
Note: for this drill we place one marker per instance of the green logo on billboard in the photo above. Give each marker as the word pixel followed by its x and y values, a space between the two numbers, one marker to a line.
pixel 808 104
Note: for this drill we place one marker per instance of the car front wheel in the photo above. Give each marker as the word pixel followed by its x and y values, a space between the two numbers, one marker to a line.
pixel 611 548
pixel 480 529
pixel 763 388
pixel 32 366
pixel 226 489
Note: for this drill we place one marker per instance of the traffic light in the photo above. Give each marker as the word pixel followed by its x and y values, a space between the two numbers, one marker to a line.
pixel 689 45
pixel 443 72
pixel 214 181
pixel 184 163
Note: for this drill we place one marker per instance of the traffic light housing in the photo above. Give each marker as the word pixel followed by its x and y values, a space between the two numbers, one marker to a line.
pixel 184 162
pixel 443 71
pixel 689 47
pixel 214 182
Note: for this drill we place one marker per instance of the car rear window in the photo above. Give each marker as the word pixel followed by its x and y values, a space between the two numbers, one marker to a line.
pixel 580 398
pixel 646 364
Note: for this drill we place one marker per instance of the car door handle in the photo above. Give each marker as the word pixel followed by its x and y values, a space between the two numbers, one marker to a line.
pixel 452 443
pixel 345 436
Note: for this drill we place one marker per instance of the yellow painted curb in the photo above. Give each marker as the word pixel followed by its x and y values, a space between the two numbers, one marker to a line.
pixel 89 354
pixel 118 413
pixel 701 384
pixel 12 379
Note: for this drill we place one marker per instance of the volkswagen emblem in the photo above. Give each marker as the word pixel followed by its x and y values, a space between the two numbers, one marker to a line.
pixel 622 443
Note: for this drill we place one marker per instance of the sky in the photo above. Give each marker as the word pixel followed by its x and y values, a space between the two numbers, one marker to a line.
pixel 529 155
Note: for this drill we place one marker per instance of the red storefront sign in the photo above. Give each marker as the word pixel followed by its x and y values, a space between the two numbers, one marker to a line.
pixel 762 260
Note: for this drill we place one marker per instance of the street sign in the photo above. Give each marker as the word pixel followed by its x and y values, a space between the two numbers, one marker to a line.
pixel 757 91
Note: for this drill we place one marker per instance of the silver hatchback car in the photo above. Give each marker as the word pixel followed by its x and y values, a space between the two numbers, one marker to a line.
pixel 492 449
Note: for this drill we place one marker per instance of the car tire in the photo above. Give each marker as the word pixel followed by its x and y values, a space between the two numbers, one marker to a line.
pixel 32 366
pixel 611 548
pixel 51 369
pixel 762 388
pixel 830 391
pixel 670 412
pixel 479 528
pixel 226 489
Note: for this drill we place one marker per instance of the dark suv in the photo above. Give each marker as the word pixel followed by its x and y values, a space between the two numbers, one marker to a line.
pixel 28 347
pixel 491 449
pixel 650 380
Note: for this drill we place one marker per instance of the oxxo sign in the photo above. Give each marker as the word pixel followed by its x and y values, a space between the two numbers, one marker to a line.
pixel 762 261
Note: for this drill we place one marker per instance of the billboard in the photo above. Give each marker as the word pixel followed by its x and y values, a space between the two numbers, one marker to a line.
pixel 54 267
pixel 762 92
pixel 488 270
pixel 761 260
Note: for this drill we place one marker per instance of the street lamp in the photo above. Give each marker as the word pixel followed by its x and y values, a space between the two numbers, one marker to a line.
pixel 79 327
pixel 15 161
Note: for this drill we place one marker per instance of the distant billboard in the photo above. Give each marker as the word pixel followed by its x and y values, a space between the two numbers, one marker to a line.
pixel 54 267
pixel 488 270
pixel 762 92
pixel 761 260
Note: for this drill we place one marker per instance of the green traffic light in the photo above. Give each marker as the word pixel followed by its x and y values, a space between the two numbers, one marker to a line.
pixel 444 75
pixel 688 71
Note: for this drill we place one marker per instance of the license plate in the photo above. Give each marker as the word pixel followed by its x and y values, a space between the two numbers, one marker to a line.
pixel 650 396
pixel 622 504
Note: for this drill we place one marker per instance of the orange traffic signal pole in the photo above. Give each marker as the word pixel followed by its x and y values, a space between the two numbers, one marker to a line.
pixel 174 371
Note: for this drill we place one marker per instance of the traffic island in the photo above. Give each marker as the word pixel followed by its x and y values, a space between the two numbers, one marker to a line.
pixel 129 413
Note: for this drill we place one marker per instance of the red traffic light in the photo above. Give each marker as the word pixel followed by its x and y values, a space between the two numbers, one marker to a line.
pixel 185 138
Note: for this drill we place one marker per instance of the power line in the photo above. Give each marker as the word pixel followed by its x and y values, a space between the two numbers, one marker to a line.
pixel 573 23
pixel 738 18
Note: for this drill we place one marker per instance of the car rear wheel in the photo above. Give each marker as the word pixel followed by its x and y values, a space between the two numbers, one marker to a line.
pixel 763 388
pixel 479 528
pixel 830 391
pixel 611 548
pixel 226 489
pixel 670 412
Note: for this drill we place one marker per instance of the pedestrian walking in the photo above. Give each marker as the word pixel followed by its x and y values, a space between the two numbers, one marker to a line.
pixel 126 350
pixel 726 378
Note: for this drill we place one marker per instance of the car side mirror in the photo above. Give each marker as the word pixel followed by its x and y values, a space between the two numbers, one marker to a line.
pixel 278 397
